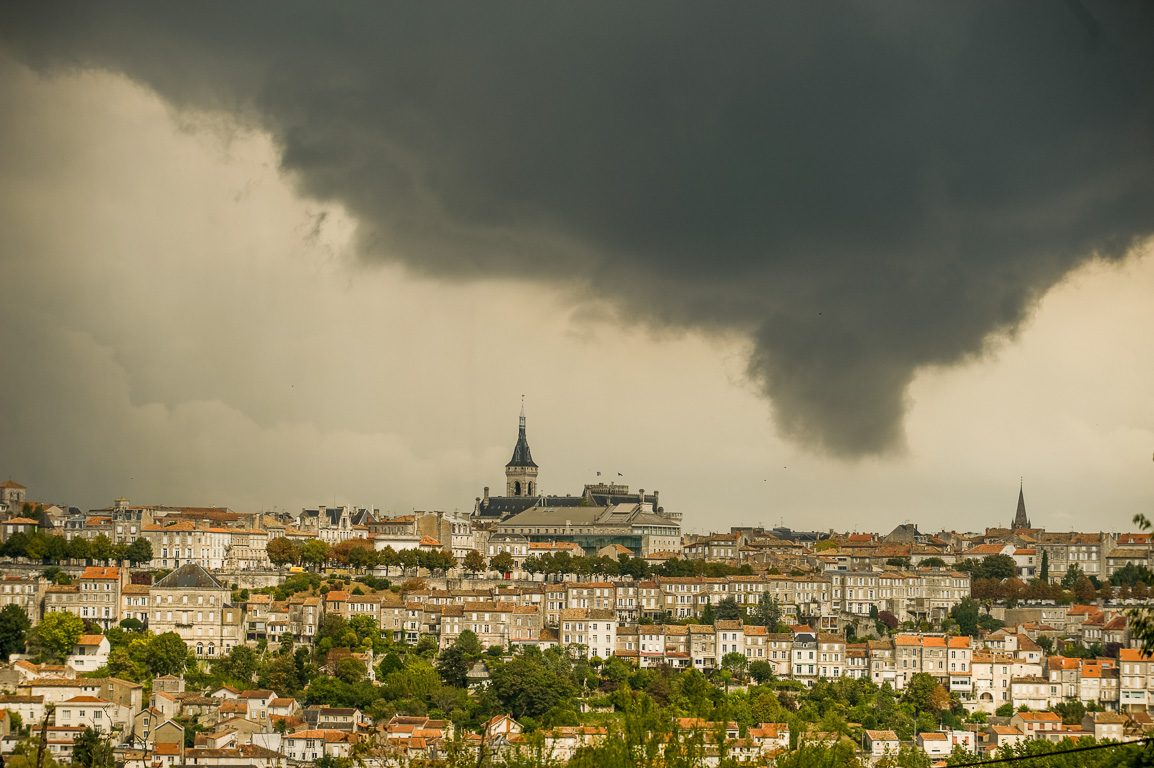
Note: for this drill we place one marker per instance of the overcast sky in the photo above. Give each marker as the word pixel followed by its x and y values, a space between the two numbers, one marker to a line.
pixel 837 270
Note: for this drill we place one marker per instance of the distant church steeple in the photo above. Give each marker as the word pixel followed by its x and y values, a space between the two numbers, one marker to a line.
pixel 1020 519
pixel 521 471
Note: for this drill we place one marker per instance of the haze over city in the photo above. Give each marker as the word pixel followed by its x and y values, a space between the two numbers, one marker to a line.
pixel 859 269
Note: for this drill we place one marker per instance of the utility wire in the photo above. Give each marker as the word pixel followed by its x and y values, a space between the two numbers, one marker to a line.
pixel 1044 755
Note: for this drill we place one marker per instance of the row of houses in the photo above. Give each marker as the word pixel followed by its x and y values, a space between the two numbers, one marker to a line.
pixel 1004 737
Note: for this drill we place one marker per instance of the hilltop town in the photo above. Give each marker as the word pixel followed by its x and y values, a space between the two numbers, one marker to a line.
pixel 536 627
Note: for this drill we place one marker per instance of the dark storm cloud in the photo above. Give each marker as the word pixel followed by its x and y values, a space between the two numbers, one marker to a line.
pixel 863 190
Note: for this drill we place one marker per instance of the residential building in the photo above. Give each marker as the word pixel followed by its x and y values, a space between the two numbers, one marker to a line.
pixel 196 605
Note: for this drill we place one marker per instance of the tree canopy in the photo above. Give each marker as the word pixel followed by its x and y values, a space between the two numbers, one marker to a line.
pixel 14 627
pixel 58 631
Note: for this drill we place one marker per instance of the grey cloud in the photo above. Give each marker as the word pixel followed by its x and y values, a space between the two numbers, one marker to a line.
pixel 863 190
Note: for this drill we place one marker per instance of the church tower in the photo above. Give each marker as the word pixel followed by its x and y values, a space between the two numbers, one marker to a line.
pixel 521 472
pixel 1020 519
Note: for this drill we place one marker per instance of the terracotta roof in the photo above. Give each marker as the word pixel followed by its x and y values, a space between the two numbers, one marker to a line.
pixel 1005 730
pixel 985 549
pixel 90 640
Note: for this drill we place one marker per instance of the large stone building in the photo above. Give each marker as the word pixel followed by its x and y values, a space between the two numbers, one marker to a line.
pixel 196 605
pixel 604 514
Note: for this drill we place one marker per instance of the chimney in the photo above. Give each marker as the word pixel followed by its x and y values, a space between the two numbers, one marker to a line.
pixel 486 493
pixel 657 501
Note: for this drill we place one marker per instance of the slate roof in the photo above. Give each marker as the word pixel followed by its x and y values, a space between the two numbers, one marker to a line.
pixel 189 576
pixel 521 455
pixel 506 506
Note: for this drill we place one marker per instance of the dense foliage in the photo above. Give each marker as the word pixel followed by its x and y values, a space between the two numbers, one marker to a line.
pixel 49 548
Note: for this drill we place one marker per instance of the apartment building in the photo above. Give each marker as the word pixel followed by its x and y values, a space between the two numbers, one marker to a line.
pixel 991 673
pixel 1086 550
pixel 95 596
pixel 134 602
pixel 1136 680
pixel 25 591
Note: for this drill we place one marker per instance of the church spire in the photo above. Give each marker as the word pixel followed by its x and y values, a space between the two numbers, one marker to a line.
pixel 1020 519
pixel 521 471
pixel 521 455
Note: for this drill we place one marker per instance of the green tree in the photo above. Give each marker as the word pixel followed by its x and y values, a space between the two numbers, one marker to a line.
pixel 768 612
pixel 761 672
pixel 91 751
pixel 167 654
pixel 735 662
pixel 1044 572
pixel 350 670
pixel 123 664
pixel 919 689
pixel 966 613
pixel 131 625
pixel 453 665
pixel 241 664
pixel 333 628
pixel 139 551
pixel 932 562
pixel 315 552
pixel 282 551
pixel 707 616
pixel 528 688
pixel 14 626
pixel 1073 573
pixel 101 549
pixel 502 562
pixel 362 558
pixel 284 675
pixel 998 567
pixel 636 567
pixel 79 548
pixel 729 610
pixel 16 545
pixel 58 631
pixel 474 562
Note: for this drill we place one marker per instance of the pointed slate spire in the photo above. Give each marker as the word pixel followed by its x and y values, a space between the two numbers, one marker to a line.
pixel 1020 519
pixel 521 455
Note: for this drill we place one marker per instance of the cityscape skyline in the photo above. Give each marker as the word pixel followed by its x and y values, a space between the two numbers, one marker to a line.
pixel 229 282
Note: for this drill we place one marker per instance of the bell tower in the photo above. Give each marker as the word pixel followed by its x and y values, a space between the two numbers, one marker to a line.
pixel 521 471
